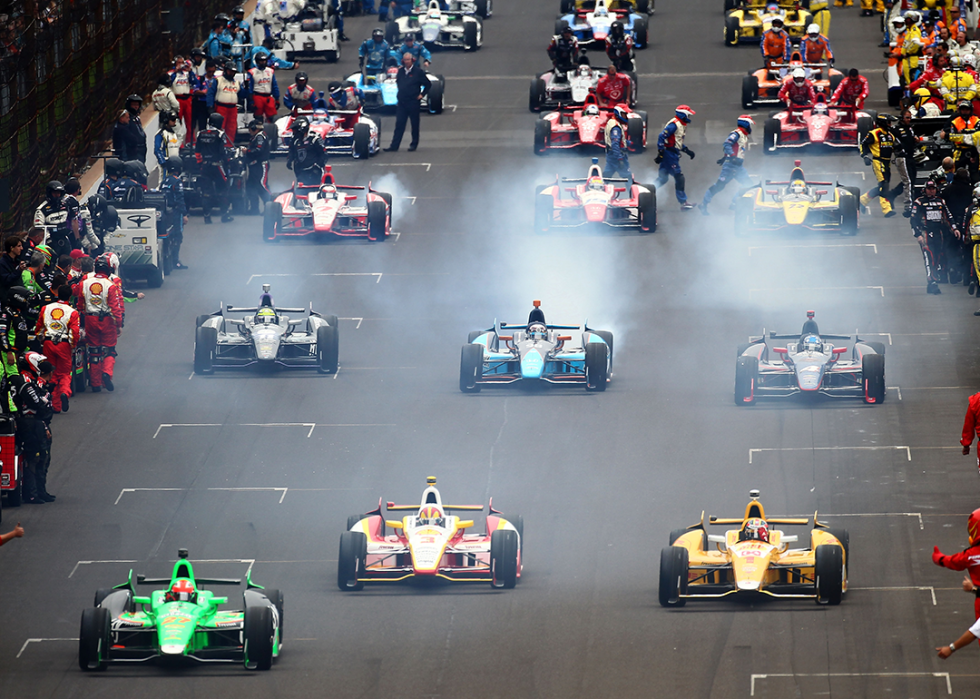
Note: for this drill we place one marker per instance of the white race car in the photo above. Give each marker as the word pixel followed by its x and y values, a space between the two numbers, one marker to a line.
pixel 436 28
pixel 298 28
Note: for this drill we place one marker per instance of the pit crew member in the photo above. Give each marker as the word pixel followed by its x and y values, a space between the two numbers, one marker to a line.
pixel 307 154
pixel 931 223
pixel 877 149
pixel 101 304
pixel 852 90
pixel 373 54
pixel 797 91
pixel 670 145
pixel 619 47
pixel 613 88
pixel 731 161
pixel 58 328
pixel 617 149
pixel 563 50
pixel 264 89
pixel 213 156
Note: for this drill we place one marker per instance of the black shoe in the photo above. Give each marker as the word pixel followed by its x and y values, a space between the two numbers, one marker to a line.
pixel 412 148
pixel 207 220
pixel 933 288
pixel 344 37
pixel 64 402
pixel 34 501
pixel 180 265
pixel 47 497
pixel 890 214
pixel 107 382
pixel 96 389
pixel 972 289
pixel 389 149
pixel 227 219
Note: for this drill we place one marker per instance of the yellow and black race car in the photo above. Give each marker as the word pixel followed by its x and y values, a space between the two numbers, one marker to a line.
pixel 749 21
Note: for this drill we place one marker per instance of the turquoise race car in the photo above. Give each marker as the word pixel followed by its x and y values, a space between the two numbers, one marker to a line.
pixel 181 621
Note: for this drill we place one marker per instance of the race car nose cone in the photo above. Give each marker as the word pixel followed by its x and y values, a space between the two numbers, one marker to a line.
pixel 265 350
pixel 748 585
pixel 172 649
pixel 595 213
pixel 532 365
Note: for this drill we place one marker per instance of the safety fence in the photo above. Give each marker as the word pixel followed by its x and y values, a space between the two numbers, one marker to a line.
pixel 66 67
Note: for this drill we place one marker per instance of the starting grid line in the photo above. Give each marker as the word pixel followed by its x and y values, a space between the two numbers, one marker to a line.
pixel 830 675
pixel 244 489
pixel 377 275
pixel 899 447
pixel 251 562
pixel 311 425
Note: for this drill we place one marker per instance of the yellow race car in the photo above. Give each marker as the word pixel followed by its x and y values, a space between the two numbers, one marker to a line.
pixel 797 203
pixel 754 560
pixel 748 23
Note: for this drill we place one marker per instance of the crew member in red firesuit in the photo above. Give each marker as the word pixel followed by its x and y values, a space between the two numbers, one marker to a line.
pixel 101 304
pixel 223 94
pixel 797 91
pixel 971 426
pixel 613 88
pixel 58 327
pixel 852 90
pixel 264 89
pixel 967 559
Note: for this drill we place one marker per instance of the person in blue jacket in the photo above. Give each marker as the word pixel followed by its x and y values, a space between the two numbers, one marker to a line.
pixel 374 53
pixel 421 54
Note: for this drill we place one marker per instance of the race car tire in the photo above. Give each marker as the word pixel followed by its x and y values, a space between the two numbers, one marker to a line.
pixel 279 601
pixel 536 94
pixel 205 347
pixel 154 278
pixel 272 221
pixel 878 347
pixel 470 368
pixel 470 36
pixel 873 378
pixel 648 209
pixel 641 33
pixel 834 82
pixel 362 141
pixel 377 219
pixel 271 132
pixel 848 214
pixel 436 93
pixel 673 576
pixel 351 561
pixel 634 132
pixel 678 533
pixel 772 132
pixel 201 319
pixel 607 337
pixel 741 349
pixel 746 375
pixel 567 7
pixel 391 33
pixel 845 539
pixel 166 258
pixel 750 91
pixel 352 520
pixel 864 125
pixel 504 549
pixel 544 210
pixel 743 216
pixel 94 639
pixel 327 348
pixel 828 573
pixel 518 522
pixel 596 366
pixel 482 8
pixel 259 633
pixel 16 494
pixel 730 5
pixel 560 25
pixel 732 30
pixel 542 136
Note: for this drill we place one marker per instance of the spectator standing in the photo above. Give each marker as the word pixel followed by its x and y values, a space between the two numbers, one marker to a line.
pixel 413 85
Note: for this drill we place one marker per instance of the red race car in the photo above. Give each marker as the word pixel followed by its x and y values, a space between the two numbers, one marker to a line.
pixel 820 124
pixel 329 209
pixel 574 127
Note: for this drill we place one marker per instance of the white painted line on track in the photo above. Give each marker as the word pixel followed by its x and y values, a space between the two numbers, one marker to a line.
pixel 917 515
pixel 427 166
pixel 829 675
pixel 41 640
pixel 282 489
pixel 412 199
pixel 191 376
pixel 889 335
pixel 135 490
pixel 320 274
pixel 908 450
pixel 932 590
pixel 185 424
pixel 787 247
pixel 826 288
pixel 311 425
pixel 88 563
pixel 359 321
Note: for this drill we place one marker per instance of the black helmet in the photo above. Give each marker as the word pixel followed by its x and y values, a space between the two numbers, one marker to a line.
pixel 616 29
pixel 102 264
pixel 254 124
pixel 261 56
pixel 301 126
pixel 566 30
pixel 216 120
pixel 222 17
pixel 17 298
pixel 229 66
pixel 378 35
pixel 238 10
pixel 198 51
pixel 173 164
pixel 166 116
pixel 96 204
pixel 965 104
pixel 114 167
pixel 884 120
pixel 54 188
pixel 302 76
pixel 334 86
pixel 165 79
pixel 134 98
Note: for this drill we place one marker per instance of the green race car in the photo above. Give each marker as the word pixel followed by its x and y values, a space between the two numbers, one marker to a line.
pixel 181 621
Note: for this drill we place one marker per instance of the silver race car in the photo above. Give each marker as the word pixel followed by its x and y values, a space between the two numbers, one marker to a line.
pixel 511 352
pixel 436 28
pixel 267 337
pixel 771 366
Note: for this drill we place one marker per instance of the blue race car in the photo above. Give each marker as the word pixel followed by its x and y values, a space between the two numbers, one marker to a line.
pixel 592 26
pixel 381 90
pixel 535 351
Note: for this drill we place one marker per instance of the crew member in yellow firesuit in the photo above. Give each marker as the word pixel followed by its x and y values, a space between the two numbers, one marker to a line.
pixel 877 148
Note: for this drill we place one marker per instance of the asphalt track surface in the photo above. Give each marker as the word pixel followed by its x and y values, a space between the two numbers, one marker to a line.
pixel 173 460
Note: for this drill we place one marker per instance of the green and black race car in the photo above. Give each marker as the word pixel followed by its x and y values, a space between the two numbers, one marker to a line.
pixel 181 621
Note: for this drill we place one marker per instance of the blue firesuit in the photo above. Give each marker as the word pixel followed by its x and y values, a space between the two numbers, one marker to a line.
pixel 374 55
pixel 670 145
pixel 617 156
pixel 731 166
pixel 418 50
pixel 274 62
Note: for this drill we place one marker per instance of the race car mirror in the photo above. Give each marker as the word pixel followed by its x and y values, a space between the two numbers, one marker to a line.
pixel 464 524
pixel 780 350
pixel 141 600
pixel 564 338
pixel 716 538
pixel 789 539
pixel 839 350
pixel 393 524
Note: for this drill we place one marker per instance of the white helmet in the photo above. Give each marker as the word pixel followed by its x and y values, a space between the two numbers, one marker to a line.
pixel 913 15
pixel 970 60
pixel 592 110
pixel 955 62
pixel 813 29
pixel 799 75
pixel 976 192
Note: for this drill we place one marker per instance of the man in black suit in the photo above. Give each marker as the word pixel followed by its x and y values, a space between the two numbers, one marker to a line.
pixel 413 84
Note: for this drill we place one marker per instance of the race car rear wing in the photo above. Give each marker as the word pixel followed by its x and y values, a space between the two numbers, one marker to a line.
pixel 143 580
pixel 773 336
pixel 770 520
pixel 392 507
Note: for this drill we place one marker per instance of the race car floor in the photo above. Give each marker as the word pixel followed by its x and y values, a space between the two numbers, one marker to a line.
pixel 260 471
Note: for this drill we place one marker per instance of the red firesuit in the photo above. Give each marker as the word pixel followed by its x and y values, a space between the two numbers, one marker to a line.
pixel 613 89
pixel 968 559
pixel 793 95
pixel 971 425
pixel 851 91
pixel 101 304
pixel 58 325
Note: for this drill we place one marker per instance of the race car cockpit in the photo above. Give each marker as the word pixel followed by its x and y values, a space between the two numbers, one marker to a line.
pixel 537 331
pixel 755 529
pixel 596 184
pixel 810 343
pixel 266 316
pixel 430 517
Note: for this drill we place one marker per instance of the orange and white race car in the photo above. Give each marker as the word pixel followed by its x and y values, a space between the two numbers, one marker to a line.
pixel 762 86
pixel 430 544
pixel 753 560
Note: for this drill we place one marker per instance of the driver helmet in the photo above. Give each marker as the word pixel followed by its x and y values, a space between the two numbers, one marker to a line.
pixel 328 191
pixel 584 70
pixel 621 114
pixel 537 331
pixel 684 113
pixel 596 183
pixel 922 95
pixel 54 190
pixel 813 30
pixel 799 75
pixel 820 107
pixel 777 24
pixel 812 343
pixel 300 127
pixel 898 24
pixel 261 57
pixel 102 264
pixel 616 29
pixel 973 527
pixel 216 121
pixel 797 187
pixel 969 60
pixel 431 515
pixel 46 251
pixel 756 530
pixel 266 316
pixel 745 122
pixel 601 11
pixel 319 115
pixel 182 591
pixel 592 110
pixel 34 361
pixel 377 36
